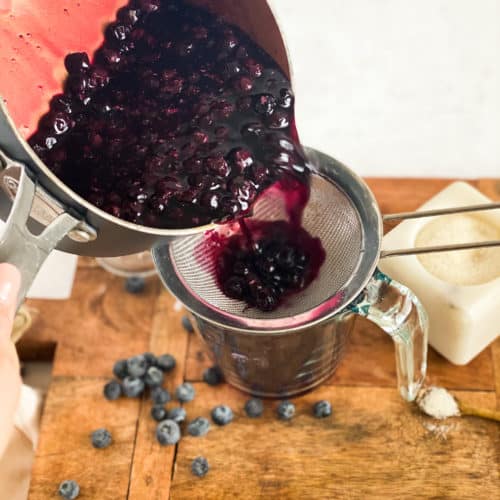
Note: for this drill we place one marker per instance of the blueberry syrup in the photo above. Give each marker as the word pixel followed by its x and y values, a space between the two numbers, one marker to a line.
pixel 179 120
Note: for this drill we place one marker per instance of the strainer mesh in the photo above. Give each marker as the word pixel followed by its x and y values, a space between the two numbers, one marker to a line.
pixel 329 215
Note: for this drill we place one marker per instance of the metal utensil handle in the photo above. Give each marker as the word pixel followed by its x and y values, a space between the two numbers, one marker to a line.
pixel 439 248
pixel 19 246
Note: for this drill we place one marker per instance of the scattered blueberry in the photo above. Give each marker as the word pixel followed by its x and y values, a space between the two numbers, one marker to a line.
pixel 160 396
pixel 133 387
pixel 101 438
pixel 112 390
pixel 137 365
pixel 120 369
pixel 135 284
pixel 186 323
pixel 200 467
pixel 254 407
pixel 150 358
pixel 222 415
pixel 322 409
pixel 154 377
pixel 177 414
pixel 159 413
pixel 165 362
pixel 185 392
pixel 286 410
pixel 168 432
pixel 198 427
pixel 69 489
pixel 213 375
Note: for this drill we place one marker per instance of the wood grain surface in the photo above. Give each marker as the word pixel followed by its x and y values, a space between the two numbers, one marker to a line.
pixel 374 445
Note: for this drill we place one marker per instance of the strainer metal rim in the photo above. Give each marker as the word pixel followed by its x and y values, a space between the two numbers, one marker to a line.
pixel 360 194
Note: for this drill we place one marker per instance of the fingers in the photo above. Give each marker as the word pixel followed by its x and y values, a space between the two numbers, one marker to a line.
pixel 10 280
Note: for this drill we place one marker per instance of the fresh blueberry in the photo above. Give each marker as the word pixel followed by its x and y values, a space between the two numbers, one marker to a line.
pixel 69 489
pixel 222 415
pixel 159 413
pixel 185 392
pixel 200 466
pixel 137 366
pixel 168 432
pixel 120 369
pixel 198 427
pixel 101 438
pixel 165 362
pixel 133 387
pixel 135 284
pixel 322 409
pixel 154 377
pixel 186 323
pixel 160 396
pixel 254 407
pixel 150 358
pixel 286 410
pixel 177 414
pixel 213 375
pixel 112 390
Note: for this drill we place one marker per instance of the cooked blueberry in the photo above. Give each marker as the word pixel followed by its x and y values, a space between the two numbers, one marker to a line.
pixel 322 409
pixel 160 396
pixel 198 427
pixel 69 489
pixel 135 284
pixel 168 432
pixel 112 390
pixel 186 323
pixel 254 408
pixel 133 387
pixel 199 466
pixel 76 63
pixel 222 415
pixel 165 362
pixel 120 369
pixel 154 376
pixel 286 410
pixel 213 375
pixel 159 413
pixel 185 392
pixel 137 366
pixel 235 287
pixel 177 414
pixel 265 104
pixel 101 438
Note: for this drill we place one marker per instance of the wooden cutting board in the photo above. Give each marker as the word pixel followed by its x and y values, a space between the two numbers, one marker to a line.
pixel 374 446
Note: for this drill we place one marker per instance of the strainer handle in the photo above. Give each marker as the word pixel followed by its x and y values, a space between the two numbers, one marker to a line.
pixel 397 311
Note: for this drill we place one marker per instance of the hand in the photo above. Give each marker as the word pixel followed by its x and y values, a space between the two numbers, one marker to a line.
pixel 10 380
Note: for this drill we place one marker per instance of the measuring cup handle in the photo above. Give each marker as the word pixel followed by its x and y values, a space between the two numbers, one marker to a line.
pixel 19 246
pixel 396 309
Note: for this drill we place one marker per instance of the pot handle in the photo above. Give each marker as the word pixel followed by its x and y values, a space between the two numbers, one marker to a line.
pixel 396 309
pixel 18 245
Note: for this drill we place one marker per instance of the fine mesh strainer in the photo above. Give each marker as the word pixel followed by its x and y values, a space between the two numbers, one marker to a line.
pixel 298 345
pixel 341 213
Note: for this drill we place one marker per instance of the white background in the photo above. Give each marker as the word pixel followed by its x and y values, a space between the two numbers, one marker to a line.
pixel 398 87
